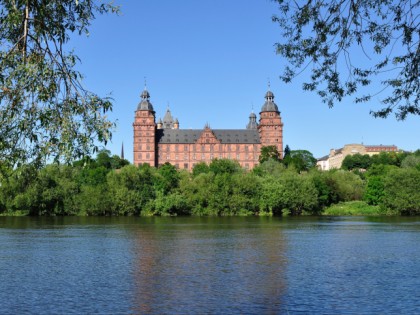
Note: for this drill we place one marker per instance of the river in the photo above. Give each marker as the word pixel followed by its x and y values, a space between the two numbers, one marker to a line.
pixel 234 265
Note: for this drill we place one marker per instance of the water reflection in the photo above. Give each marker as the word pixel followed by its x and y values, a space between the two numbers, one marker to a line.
pixel 209 265
pixel 219 266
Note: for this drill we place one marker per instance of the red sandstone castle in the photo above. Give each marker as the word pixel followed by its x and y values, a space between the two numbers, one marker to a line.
pixel 158 143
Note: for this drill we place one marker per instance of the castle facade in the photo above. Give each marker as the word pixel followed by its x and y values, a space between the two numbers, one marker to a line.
pixel 162 142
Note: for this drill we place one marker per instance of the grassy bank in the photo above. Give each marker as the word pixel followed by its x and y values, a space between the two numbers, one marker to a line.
pixel 17 213
pixel 353 208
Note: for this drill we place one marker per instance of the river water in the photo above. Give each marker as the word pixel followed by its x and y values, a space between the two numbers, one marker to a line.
pixel 340 265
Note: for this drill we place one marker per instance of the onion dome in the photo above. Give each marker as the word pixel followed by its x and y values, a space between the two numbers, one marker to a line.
pixel 145 103
pixel 269 105
pixel 252 124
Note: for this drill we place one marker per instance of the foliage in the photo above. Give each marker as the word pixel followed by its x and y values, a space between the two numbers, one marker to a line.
pixel 324 36
pixel 374 190
pixel 301 160
pixel 290 192
pixel 356 162
pixel 53 192
pixel 326 189
pixel 222 189
pixel 347 186
pixel 270 166
pixel 269 152
pixel 45 111
pixel 411 161
pixel 286 151
pixel 166 178
pixel 402 191
pixel 389 158
pixel 224 166
pixel 130 189
pixel 200 168
pixel 299 194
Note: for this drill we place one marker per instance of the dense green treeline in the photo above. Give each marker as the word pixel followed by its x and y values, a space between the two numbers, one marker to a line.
pixel 110 186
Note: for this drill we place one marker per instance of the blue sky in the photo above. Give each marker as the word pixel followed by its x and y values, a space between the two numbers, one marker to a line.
pixel 211 61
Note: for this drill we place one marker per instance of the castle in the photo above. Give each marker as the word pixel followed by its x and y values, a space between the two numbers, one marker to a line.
pixel 164 142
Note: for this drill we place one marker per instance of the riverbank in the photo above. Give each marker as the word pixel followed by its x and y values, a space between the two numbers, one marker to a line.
pixel 350 208
pixel 353 208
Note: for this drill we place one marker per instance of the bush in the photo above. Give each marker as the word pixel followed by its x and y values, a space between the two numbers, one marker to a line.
pixel 402 192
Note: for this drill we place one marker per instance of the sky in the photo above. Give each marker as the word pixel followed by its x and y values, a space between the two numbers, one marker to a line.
pixel 210 61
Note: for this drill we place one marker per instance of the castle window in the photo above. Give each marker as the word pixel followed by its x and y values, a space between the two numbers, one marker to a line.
pixel 194 157
pixel 237 156
pixel 202 148
pixel 185 148
pixel 186 165
pixel 139 146
pixel 186 157
pixel 148 156
pixel 203 156
pixel 148 147
pixel 207 140
pixel 220 156
pixel 176 157
pixel 167 156
pixel 139 156
pixel 167 148
pixel 211 156
pixel 247 166
pixel 176 147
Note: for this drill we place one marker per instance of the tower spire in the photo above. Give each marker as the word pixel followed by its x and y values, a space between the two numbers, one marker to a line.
pixel 122 150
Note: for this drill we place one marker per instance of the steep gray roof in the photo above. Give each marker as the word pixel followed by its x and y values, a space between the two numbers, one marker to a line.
pixel 168 121
pixel 192 135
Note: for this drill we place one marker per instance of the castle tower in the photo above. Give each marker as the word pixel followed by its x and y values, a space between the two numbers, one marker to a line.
pixel 144 132
pixel 270 126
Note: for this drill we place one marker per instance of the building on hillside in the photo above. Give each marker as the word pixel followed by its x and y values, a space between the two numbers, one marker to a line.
pixel 164 141
pixel 336 156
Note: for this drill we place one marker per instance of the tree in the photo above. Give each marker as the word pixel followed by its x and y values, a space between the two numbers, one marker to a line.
pixel 269 152
pixel 224 166
pixel 286 151
pixel 356 161
pixel 411 161
pixel 44 109
pixel 301 160
pixel 326 35
pixel 402 191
